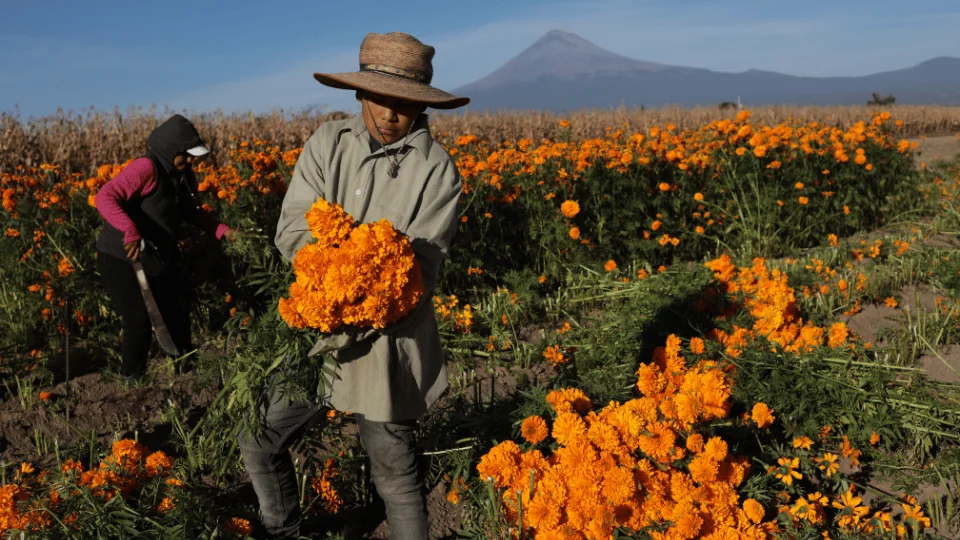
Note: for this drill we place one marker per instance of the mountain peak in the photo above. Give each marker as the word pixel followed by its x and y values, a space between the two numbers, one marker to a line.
pixel 563 55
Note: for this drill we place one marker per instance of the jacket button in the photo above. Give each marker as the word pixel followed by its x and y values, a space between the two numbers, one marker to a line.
pixel 358 192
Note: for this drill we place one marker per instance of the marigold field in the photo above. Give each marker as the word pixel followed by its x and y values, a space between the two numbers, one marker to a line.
pixel 731 328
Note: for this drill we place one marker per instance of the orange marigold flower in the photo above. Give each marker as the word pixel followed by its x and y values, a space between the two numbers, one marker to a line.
pixel 698 196
pixel 753 510
pixel 664 186
pixel 71 465
pixel 833 240
pixel 534 429
pixel 555 356
pixel 575 233
pixel 158 462
pixel 238 525
pixel 569 399
pixel 762 415
pixel 166 505
pixel 45 396
pixel 570 209
pixel 542 279
pixel 787 471
pixel 64 267
pixel 874 438
pixel 716 449
pixel 838 335
pixel 829 463
pixel 803 442
pixel 890 302
pixel 697 345
pixel 610 266
pixel 803 200
pixel 695 443
pixel 453 497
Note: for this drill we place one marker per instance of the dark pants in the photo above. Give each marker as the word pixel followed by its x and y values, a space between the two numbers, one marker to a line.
pixel 390 445
pixel 122 287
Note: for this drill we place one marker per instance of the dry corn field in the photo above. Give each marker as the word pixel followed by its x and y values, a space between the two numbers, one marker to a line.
pixel 80 142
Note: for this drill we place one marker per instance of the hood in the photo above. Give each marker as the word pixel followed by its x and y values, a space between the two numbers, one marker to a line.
pixel 175 136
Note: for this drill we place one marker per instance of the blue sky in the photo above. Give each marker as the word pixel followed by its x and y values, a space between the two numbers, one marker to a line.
pixel 243 55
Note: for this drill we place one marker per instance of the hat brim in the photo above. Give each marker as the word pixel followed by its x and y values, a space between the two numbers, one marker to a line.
pixel 198 151
pixel 392 86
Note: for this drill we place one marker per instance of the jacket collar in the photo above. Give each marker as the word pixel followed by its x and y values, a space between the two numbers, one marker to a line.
pixel 418 138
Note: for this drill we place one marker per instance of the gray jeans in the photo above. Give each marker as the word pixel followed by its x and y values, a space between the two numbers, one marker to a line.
pixel 390 445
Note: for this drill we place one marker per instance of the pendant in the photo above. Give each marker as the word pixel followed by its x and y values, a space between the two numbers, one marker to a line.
pixel 392 171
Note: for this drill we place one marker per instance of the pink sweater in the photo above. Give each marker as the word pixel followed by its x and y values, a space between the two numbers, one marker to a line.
pixel 137 180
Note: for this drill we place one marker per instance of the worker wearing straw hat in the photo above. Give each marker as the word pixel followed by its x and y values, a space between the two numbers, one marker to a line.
pixel 381 164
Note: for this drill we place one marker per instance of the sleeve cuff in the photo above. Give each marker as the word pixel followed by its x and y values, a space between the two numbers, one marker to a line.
pixel 131 236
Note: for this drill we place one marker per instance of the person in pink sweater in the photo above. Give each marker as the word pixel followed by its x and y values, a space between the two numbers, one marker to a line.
pixel 144 206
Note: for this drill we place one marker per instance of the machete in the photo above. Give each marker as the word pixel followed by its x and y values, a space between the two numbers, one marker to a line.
pixel 159 328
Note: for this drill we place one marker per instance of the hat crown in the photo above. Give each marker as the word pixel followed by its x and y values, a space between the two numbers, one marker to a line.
pixel 397 53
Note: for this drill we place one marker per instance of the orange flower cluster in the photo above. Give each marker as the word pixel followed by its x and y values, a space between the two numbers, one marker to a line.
pixel 365 276
pixel 850 514
pixel 555 356
pixel 23 505
pixel 637 464
pixel 460 320
pixel 323 485
pixel 687 151
pixel 770 300
pixel 259 167
pixel 238 526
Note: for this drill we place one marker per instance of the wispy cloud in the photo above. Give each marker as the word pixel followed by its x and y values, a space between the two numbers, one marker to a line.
pixel 729 36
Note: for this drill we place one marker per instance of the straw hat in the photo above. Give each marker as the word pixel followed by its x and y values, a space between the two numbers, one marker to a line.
pixel 395 65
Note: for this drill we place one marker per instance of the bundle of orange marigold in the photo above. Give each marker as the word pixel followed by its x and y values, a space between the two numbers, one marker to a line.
pixel 364 276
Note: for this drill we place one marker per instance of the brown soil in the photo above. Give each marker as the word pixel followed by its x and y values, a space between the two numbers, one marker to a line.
pixel 942 241
pixel 943 366
pixel 100 409
pixel 936 148
pixel 872 317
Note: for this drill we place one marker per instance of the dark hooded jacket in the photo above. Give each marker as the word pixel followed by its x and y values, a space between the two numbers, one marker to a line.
pixel 158 215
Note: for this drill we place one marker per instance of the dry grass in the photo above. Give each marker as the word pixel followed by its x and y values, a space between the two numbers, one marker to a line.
pixel 82 141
